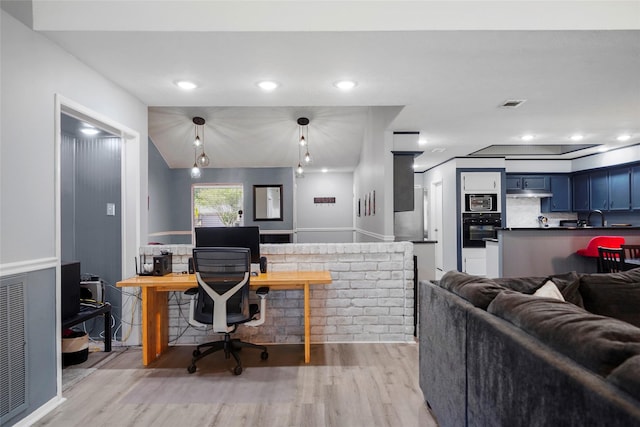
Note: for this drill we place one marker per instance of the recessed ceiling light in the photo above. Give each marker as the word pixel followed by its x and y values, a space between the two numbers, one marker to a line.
pixel 186 85
pixel 422 141
pixel 527 137
pixel 268 85
pixel 325 170
pixel 577 137
pixel 345 84
pixel 603 148
pixel 624 137
pixel 90 131
pixel 438 150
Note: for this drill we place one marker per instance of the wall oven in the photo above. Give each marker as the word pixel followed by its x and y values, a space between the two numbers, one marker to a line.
pixel 479 226
pixel 481 202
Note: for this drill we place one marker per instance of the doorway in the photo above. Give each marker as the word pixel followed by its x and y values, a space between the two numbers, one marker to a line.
pixel 90 213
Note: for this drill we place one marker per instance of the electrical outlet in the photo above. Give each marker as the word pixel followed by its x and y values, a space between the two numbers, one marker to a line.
pixel 111 209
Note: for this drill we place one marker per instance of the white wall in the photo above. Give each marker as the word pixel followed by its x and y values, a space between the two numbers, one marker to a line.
pixel 610 158
pixel 375 173
pixel 34 70
pixel 324 222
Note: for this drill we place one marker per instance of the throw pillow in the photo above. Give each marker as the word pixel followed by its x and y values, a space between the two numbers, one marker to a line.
pixel 596 342
pixel 615 295
pixel 549 290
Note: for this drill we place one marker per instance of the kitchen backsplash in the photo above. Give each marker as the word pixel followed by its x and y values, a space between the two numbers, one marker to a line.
pixel 524 212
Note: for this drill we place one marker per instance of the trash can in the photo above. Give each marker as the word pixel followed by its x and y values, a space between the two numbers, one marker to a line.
pixel 75 347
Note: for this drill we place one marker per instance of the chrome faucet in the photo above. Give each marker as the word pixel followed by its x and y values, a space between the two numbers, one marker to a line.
pixel 598 211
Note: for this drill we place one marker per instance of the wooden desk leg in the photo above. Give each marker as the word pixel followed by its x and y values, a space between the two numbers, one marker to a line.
pixel 307 325
pixel 155 331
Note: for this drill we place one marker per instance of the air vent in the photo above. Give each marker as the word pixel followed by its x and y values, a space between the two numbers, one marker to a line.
pixel 13 369
pixel 512 103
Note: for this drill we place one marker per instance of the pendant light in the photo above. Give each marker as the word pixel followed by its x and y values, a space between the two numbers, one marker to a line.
pixel 201 160
pixel 303 138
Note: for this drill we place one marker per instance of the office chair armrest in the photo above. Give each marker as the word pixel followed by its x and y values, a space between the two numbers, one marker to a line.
pixel 193 293
pixel 262 293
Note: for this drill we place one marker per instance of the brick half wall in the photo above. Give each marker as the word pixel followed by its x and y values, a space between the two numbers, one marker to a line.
pixel 371 298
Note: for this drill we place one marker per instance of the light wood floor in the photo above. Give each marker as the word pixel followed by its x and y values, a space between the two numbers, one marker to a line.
pixel 348 385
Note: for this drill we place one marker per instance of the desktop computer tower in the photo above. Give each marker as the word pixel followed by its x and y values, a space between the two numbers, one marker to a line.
pixel 70 288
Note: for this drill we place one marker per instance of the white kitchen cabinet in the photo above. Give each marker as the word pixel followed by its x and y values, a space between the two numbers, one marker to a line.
pixel 480 182
pixel 474 261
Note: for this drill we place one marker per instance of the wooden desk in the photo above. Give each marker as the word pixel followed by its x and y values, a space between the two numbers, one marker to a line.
pixel 155 307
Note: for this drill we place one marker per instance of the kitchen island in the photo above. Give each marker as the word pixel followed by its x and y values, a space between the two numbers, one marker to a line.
pixel 542 251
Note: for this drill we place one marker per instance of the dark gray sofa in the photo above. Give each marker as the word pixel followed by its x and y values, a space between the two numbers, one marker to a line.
pixel 482 369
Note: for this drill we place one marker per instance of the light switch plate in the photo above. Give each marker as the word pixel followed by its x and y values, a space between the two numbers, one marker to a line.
pixel 111 209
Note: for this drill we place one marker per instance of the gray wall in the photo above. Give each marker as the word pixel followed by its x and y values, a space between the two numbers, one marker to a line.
pixel 91 178
pixel 170 196
pixel 33 71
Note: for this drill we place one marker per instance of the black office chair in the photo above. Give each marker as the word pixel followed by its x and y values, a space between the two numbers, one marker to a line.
pixel 611 260
pixel 222 300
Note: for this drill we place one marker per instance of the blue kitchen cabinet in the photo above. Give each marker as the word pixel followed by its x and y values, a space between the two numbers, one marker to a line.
pixel 560 201
pixel 514 182
pixel 599 190
pixel 580 187
pixel 635 188
pixel 619 190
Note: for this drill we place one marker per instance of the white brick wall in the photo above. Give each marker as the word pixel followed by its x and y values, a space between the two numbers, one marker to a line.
pixel 370 299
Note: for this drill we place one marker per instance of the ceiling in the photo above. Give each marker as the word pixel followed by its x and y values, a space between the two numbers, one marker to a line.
pixel 425 66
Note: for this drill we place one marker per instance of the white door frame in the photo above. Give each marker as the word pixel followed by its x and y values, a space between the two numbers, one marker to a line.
pixel 130 197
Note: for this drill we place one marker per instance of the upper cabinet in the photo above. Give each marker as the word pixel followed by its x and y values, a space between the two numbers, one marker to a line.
pixel 607 189
pixel 527 182
pixel 599 190
pixel 619 190
pixel 635 188
pixel 580 186
pixel 560 201
pixel 480 182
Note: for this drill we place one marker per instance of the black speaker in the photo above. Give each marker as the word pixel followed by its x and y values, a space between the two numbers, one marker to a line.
pixel 263 264
pixel 192 269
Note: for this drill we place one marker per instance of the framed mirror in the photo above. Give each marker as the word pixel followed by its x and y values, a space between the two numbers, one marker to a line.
pixel 267 202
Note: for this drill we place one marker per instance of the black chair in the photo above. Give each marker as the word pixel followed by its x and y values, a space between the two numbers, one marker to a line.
pixel 611 260
pixel 222 300
pixel 631 251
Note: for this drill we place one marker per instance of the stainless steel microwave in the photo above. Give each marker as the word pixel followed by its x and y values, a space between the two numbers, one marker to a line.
pixel 487 202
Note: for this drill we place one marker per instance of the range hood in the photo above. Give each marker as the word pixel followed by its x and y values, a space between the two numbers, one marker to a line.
pixel 519 194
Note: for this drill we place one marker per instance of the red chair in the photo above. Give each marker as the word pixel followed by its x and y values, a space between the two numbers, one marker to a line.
pixel 607 241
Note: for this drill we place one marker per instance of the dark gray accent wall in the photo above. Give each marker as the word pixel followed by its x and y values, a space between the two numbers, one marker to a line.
pixel 160 195
pixel 40 301
pixel 90 179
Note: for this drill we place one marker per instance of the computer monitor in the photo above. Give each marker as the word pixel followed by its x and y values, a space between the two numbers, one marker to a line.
pixel 237 237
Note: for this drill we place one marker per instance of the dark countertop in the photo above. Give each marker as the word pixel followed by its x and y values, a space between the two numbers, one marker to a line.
pixel 424 241
pixel 570 228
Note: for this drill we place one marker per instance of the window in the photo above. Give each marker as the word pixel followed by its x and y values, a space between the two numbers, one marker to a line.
pixel 217 205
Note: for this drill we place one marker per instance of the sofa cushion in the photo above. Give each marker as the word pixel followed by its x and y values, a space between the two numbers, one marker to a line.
pixel 627 376
pixel 597 342
pixel 479 291
pixel 614 294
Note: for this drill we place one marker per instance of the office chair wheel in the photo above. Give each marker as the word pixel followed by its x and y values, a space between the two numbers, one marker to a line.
pixel 191 369
pixel 196 353
pixel 237 370
pixel 264 355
